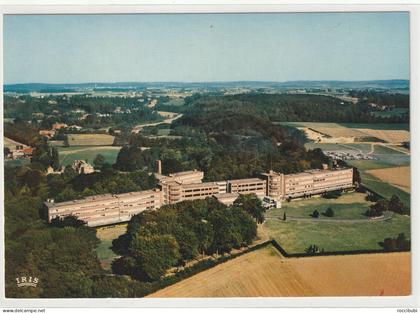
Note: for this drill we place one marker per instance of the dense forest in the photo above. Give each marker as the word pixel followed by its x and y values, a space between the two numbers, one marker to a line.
pixel 294 107
pixel 224 145
pixel 391 100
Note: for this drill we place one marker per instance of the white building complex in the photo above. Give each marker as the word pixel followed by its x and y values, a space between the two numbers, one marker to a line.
pixel 107 209
pixel 110 209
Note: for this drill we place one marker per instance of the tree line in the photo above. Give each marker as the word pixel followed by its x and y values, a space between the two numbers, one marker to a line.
pixel 157 240
pixel 297 108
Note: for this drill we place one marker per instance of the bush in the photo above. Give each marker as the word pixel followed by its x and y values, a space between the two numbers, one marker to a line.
pixel 400 243
pixel 332 194
pixel 313 249
pixel 372 197
pixel 315 214
pixel 329 212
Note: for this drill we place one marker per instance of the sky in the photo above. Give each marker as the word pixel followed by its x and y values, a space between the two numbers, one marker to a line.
pixel 205 47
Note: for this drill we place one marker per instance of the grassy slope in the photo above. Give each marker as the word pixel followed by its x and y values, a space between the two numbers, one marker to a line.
pixel 106 235
pixel 83 153
pixel 296 236
pixel 105 254
pixel 384 189
pixel 352 206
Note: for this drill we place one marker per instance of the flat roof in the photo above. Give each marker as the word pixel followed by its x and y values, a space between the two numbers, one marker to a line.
pixel 178 174
pixel 193 185
pixel 228 195
pixel 246 180
pixel 302 174
pixel 106 196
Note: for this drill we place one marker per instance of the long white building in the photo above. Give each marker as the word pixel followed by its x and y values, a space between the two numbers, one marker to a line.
pixel 107 209
pixel 110 209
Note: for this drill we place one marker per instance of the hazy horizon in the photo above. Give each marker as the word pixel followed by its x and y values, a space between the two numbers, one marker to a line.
pixel 204 48
pixel 205 82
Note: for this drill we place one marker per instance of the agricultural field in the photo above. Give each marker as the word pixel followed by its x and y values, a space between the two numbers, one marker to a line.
pixel 266 273
pixel 90 140
pixel 396 176
pixel 11 144
pixel 339 131
pixel 175 102
pixel 392 136
pixel 106 235
pixel 346 125
pixel 387 162
pixel 384 188
pixel 56 143
pixel 164 132
pixel 377 126
pixel 353 132
pixel 346 135
pixel 383 155
pixel 68 154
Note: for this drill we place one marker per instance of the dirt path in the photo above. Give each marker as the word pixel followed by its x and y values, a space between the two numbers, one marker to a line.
pixel 387 216
pixel 372 149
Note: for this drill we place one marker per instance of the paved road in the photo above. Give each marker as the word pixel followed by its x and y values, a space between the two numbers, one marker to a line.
pixel 387 216
pixel 136 129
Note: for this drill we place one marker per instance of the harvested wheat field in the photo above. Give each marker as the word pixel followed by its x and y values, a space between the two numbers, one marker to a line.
pixel 11 144
pixel 340 132
pixel 393 136
pixel 266 273
pixel 346 135
pixel 90 140
pixel 397 176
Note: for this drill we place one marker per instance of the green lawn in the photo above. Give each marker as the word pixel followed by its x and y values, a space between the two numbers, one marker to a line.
pixel 296 236
pixel 348 206
pixel 105 254
pixel 385 161
pixel 90 140
pixel 385 150
pixel 164 132
pixel 308 124
pixel 364 147
pixel 175 102
pixel 402 126
pixel 327 146
pixel 69 154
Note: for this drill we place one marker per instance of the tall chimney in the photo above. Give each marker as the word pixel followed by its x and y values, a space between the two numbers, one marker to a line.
pixel 159 167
